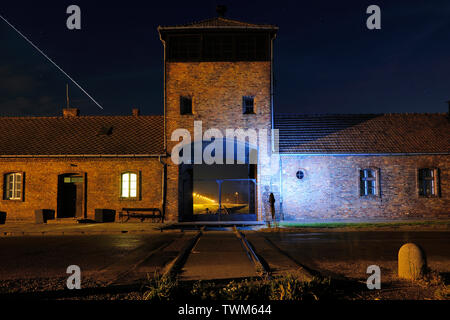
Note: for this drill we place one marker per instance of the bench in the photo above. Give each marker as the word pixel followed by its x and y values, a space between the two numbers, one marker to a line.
pixel 141 213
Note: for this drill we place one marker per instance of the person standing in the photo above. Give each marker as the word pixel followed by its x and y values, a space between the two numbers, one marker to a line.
pixel 272 206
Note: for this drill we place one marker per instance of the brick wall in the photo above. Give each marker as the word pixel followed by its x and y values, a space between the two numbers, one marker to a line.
pixel 102 181
pixel 330 188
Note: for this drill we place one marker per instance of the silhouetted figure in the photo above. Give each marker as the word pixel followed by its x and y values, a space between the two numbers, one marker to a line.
pixel 272 206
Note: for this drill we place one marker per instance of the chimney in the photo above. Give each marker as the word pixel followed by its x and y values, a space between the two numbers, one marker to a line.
pixel 71 112
pixel 136 112
pixel 221 10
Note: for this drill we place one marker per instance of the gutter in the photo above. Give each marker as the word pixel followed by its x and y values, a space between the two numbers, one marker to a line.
pixel 83 156
pixel 164 87
pixel 281 179
pixel 364 154
pixel 272 91
pixel 163 188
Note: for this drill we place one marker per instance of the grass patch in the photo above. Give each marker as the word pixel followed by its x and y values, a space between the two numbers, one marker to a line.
pixel 282 288
pixel 443 293
pixel 358 225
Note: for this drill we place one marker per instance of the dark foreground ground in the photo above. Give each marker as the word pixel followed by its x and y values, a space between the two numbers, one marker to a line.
pixel 38 263
pixel 348 254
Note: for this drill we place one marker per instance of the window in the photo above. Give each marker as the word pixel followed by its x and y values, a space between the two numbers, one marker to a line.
pixel 428 182
pixel 218 47
pixel 252 47
pixel 185 105
pixel 184 47
pixel 73 179
pixel 300 174
pixel 129 185
pixel 13 186
pixel 248 105
pixel 214 46
pixel 368 182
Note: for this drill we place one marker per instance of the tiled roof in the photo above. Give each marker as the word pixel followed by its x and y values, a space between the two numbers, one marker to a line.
pixel 82 135
pixel 363 133
pixel 219 23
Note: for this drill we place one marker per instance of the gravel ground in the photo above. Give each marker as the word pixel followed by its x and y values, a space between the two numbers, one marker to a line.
pixel 46 285
pixel 41 284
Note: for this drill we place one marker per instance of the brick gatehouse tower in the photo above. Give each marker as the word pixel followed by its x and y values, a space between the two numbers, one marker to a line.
pixel 218 71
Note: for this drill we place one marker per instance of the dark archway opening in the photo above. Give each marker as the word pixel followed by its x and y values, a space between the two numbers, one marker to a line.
pixel 218 192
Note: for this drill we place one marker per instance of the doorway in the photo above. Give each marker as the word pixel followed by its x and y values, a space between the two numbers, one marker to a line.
pixel 70 195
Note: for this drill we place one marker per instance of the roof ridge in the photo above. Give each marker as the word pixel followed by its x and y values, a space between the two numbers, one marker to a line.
pixel 204 24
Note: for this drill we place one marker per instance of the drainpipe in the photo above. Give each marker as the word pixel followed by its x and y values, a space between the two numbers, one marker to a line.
pixel 164 88
pixel 281 187
pixel 163 188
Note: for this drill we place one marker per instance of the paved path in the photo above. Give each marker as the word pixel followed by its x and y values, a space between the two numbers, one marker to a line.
pixel 218 255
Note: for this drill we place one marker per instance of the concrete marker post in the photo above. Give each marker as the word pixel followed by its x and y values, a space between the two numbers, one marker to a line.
pixel 412 262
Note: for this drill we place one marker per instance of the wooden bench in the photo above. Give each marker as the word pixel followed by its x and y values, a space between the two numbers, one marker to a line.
pixel 140 213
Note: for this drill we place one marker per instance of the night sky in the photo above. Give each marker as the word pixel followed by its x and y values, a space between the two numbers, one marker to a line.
pixel 326 60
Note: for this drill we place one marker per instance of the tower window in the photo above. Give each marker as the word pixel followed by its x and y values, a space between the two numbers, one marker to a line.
pixel 251 47
pixel 185 105
pixel 248 105
pixel 184 47
pixel 218 47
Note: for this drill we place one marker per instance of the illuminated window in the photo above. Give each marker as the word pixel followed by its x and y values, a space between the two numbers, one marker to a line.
pixel 13 186
pixel 129 185
pixel 248 105
pixel 185 105
pixel 368 182
pixel 428 182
